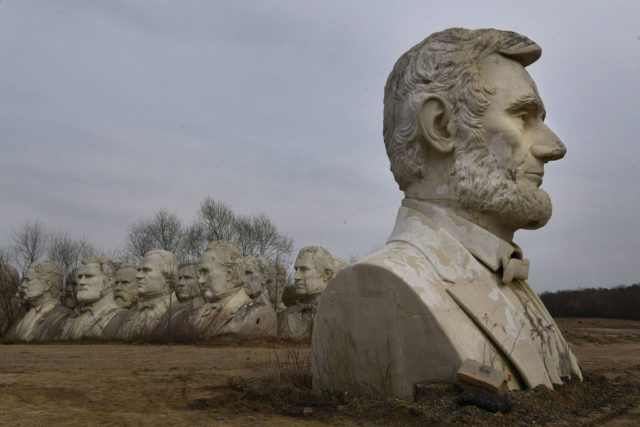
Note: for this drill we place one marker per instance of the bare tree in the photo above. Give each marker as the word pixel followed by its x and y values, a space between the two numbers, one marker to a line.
pixel 68 253
pixel 194 241
pixel 163 231
pixel 139 239
pixel 167 229
pixel 244 235
pixel 215 221
pixel 259 235
pixel 10 308
pixel 29 244
pixel 269 242
pixel 218 220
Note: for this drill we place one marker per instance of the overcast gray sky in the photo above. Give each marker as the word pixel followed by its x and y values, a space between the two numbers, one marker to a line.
pixel 111 110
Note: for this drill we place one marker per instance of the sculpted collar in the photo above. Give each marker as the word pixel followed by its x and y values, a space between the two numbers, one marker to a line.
pixel 486 247
pixel 152 304
pixel 222 295
pixel 105 303
pixel 230 305
pixel 310 298
pixel 46 306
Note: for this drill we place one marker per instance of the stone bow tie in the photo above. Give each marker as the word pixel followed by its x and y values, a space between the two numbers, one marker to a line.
pixel 514 269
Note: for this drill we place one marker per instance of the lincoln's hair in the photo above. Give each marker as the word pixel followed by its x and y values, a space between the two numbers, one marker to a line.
pixel 49 272
pixel 168 265
pixel 443 64
pixel 232 257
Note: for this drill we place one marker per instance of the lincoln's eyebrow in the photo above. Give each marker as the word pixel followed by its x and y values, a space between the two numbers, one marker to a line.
pixel 528 102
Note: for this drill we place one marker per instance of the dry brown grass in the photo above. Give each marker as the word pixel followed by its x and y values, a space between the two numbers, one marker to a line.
pixel 240 380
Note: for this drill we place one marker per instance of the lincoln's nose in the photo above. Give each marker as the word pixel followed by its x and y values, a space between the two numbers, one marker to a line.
pixel 548 146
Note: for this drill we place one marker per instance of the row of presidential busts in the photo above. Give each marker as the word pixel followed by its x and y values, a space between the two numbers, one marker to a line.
pixel 225 293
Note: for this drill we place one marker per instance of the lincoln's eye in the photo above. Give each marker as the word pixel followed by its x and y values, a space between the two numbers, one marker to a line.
pixel 522 115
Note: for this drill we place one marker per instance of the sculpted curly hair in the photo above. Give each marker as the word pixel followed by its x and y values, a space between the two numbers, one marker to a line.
pixel 444 64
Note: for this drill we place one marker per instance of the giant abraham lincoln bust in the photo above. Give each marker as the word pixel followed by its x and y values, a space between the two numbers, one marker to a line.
pixel 465 134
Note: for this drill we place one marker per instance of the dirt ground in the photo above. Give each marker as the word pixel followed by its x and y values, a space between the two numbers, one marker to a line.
pixel 260 383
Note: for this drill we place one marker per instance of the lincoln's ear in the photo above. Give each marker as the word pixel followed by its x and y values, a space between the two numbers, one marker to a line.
pixel 437 127
pixel 327 275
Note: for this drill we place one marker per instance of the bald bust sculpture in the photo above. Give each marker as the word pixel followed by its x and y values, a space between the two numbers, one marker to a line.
pixel 314 267
pixel 465 134
pixel 40 288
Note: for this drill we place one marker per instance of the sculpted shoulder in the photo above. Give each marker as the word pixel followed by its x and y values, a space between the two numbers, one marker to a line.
pixel 398 264
pixel 253 319
pixel 50 326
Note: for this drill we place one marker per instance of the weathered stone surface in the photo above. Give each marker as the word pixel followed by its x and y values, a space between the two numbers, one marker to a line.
pixel 470 163
pixel 155 278
pixel 96 305
pixel 187 289
pixel 297 321
pixel 239 314
pixel 176 322
pixel 125 289
pixel 229 309
pixel 314 267
pixel 41 287
pixel 257 274
pixel 484 376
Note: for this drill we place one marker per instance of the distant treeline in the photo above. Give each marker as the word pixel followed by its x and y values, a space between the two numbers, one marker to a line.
pixel 622 302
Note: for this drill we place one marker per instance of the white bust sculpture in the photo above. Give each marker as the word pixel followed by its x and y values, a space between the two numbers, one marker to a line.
pixel 187 289
pixel 314 267
pixel 155 279
pixel 464 130
pixel 125 289
pixel 96 304
pixel 176 323
pixel 41 287
pixel 257 273
pixel 125 295
pixel 229 308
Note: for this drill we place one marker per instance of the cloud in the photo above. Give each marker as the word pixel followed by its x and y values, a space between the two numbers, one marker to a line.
pixel 113 110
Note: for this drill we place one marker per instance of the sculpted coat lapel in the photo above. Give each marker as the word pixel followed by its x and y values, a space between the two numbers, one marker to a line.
pixel 428 294
pixel 40 324
pixel 476 292
pixel 240 315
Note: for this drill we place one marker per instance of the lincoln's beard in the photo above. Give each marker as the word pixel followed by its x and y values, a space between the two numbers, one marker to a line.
pixel 482 185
